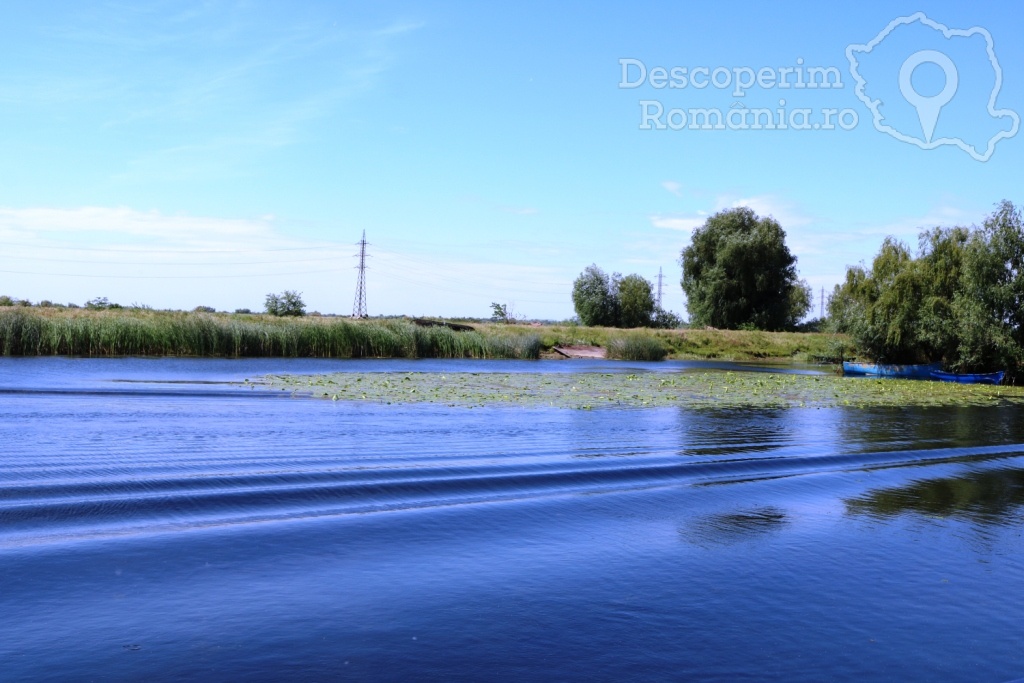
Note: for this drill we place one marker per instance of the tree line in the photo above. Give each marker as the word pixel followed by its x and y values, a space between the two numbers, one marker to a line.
pixel 738 273
pixel 959 299
pixel 615 301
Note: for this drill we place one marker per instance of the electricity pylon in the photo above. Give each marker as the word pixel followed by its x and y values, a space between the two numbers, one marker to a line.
pixel 359 305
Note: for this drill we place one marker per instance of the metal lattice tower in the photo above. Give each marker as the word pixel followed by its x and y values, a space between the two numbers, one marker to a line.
pixel 359 305
pixel 659 287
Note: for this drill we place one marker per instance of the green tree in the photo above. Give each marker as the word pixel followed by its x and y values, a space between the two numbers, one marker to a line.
pixel 961 300
pixel 895 312
pixel 941 261
pixel 101 303
pixel 881 308
pixel 990 304
pixel 595 297
pixel 288 303
pixel 636 302
pixel 800 301
pixel 738 271
pixel 503 313
pixel 666 320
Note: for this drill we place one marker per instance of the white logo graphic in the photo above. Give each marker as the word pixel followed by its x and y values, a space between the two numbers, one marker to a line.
pixel 967 105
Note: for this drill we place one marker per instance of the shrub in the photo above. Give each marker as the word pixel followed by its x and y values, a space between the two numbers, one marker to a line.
pixel 666 320
pixel 100 303
pixel 288 303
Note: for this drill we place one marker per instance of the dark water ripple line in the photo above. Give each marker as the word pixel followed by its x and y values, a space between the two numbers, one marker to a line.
pixel 278 498
pixel 234 460
pixel 238 392
pixel 352 474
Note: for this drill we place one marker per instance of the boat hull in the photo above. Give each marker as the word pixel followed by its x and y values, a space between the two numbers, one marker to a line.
pixel 971 378
pixel 887 370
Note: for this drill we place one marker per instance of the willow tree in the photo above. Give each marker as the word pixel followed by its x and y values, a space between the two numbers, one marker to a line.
pixel 738 272
pixel 595 296
pixel 960 300
pixel 636 302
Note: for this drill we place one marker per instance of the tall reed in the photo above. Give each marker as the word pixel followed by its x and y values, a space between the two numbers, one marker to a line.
pixel 636 347
pixel 146 333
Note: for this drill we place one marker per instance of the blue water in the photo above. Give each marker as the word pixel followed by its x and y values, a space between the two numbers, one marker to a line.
pixel 160 522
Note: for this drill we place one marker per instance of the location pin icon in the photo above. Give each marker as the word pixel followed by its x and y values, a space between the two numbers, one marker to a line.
pixel 928 108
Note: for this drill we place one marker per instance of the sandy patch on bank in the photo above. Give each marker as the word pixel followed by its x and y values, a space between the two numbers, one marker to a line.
pixel 580 351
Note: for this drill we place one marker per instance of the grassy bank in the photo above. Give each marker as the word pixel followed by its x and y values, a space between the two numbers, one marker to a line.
pixel 694 344
pixel 40 332
pixel 135 332
pixel 588 391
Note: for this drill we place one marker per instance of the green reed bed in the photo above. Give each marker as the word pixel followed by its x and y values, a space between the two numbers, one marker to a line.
pixel 146 333
pixel 636 347
pixel 588 391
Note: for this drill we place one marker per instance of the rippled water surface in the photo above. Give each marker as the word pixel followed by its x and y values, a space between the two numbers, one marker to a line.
pixel 160 522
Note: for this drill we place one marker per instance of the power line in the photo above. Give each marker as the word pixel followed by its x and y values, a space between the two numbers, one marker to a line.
pixel 421 284
pixel 150 247
pixel 470 282
pixel 170 263
pixel 409 264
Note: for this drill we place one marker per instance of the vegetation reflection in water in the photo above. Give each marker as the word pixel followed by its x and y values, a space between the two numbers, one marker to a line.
pixel 984 497
pixel 588 391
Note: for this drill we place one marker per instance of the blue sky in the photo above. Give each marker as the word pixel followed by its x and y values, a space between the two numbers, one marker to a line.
pixel 180 154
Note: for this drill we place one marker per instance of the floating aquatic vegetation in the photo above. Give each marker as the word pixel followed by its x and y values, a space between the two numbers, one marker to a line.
pixel 586 391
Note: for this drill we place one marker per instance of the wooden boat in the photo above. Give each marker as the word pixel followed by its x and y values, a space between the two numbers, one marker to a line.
pixel 886 370
pixel 970 378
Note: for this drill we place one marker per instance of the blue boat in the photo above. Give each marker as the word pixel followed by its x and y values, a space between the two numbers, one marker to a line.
pixel 970 378
pixel 886 370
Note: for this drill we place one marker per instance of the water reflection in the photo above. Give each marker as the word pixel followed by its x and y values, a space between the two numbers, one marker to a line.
pixel 786 432
pixel 888 429
pixel 734 527
pixel 987 497
pixel 730 432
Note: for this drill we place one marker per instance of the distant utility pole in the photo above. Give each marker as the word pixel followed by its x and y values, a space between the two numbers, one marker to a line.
pixel 822 314
pixel 659 287
pixel 359 305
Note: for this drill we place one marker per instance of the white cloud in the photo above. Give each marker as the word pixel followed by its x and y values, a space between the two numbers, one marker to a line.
pixel 803 231
pixel 673 187
pixel 678 221
pixel 785 212
pixel 97 222
pixel 908 228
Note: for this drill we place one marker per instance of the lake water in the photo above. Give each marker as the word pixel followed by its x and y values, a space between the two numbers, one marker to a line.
pixel 157 524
